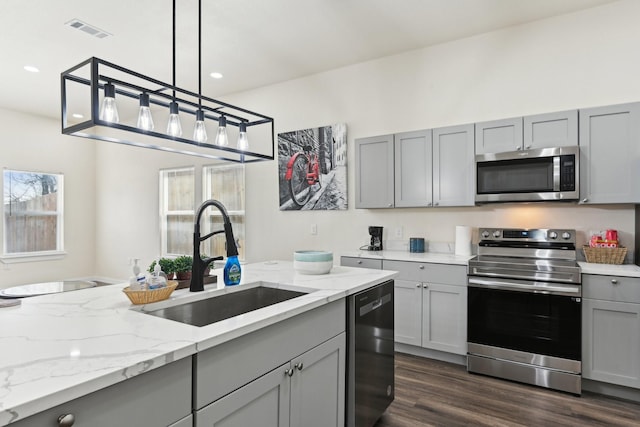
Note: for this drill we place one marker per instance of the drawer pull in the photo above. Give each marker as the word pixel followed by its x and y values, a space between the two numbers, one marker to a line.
pixel 299 366
pixel 614 281
pixel 425 286
pixel 66 420
pixel 418 285
pixel 359 261
pixel 422 267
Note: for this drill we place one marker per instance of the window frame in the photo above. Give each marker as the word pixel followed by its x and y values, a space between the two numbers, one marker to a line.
pixel 58 253
pixel 163 211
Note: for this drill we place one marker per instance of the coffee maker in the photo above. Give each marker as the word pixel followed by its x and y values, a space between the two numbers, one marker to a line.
pixel 376 238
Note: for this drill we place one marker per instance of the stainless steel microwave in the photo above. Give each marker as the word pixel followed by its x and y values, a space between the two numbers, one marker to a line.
pixel 529 175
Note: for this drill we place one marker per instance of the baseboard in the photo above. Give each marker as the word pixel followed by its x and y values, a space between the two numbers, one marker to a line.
pixel 458 359
pixel 613 390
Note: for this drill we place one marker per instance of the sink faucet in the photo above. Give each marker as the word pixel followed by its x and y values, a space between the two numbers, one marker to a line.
pixel 199 265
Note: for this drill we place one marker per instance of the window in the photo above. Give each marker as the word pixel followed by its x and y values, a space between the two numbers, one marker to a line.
pixel 225 184
pixel 33 214
pixel 177 201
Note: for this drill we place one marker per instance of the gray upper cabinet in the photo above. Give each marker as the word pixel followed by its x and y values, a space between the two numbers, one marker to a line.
pixel 497 136
pixel 374 172
pixel 453 166
pixel 558 129
pixel 413 168
pixel 609 153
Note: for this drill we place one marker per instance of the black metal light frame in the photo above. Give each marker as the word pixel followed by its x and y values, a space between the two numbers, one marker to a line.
pixel 103 72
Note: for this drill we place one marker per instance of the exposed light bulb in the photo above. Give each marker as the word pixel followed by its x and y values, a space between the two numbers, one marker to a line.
pixel 243 141
pixel 199 130
pixel 221 136
pixel 109 110
pixel 145 120
pixel 174 128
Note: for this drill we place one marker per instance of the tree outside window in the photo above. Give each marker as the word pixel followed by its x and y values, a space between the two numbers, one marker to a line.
pixel 33 212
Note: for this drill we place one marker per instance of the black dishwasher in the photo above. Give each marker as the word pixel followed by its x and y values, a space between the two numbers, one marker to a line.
pixel 370 355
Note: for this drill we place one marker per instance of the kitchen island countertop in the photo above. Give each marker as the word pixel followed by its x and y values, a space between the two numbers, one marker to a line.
pixel 56 348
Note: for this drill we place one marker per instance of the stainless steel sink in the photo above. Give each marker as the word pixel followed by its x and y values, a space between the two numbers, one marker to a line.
pixel 220 307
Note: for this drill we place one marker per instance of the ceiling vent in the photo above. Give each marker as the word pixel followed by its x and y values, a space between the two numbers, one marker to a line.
pixel 89 29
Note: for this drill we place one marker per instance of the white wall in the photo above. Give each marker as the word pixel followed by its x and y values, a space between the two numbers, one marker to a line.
pixel 573 61
pixel 36 144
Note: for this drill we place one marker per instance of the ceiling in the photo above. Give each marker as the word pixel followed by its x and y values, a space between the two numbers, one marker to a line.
pixel 252 43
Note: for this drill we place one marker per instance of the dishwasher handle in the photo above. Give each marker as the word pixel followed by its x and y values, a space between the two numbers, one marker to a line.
pixel 374 305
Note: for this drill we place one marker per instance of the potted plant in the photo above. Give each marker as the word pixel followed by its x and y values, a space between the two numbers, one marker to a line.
pixel 182 266
pixel 167 265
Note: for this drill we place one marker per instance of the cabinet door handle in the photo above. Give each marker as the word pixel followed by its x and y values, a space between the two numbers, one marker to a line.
pixel 518 148
pixel 528 147
pixel 66 420
pixel 429 204
pixel 299 366
pixel 585 200
pixel 614 281
pixel 390 205
pixel 421 267
pixel 289 372
pixel 418 285
pixel 425 286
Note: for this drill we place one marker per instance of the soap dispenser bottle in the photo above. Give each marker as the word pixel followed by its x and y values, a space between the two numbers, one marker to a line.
pixel 232 271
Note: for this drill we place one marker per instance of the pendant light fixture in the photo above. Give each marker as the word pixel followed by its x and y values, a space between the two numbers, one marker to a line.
pixel 109 109
pixel 105 124
pixel 221 136
pixel 145 120
pixel 199 129
pixel 243 140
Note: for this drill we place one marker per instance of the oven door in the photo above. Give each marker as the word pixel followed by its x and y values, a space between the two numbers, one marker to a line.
pixel 536 318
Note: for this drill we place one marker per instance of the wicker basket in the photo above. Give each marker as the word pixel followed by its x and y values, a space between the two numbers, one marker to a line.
pixel 604 255
pixel 154 295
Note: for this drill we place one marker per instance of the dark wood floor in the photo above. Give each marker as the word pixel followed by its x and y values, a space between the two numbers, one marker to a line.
pixel 434 393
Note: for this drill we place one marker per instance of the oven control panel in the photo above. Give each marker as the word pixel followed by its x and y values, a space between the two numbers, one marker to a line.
pixel 528 234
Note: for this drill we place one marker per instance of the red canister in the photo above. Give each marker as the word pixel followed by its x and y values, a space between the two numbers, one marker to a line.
pixel 611 235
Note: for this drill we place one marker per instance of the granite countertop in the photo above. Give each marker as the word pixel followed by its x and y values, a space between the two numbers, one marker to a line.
pixel 432 257
pixel 56 348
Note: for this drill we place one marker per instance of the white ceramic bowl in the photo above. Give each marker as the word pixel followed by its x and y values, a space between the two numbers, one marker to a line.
pixel 312 262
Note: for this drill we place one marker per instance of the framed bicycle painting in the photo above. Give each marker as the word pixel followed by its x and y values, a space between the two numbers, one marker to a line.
pixel 312 166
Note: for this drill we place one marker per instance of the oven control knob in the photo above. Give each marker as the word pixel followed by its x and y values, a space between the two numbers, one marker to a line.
pixel 553 235
pixel 566 235
pixel 496 234
pixel 485 234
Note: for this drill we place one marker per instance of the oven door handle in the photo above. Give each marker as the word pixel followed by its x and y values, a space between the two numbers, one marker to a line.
pixel 532 287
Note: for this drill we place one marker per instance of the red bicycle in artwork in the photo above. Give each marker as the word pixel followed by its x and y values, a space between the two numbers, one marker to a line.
pixel 303 172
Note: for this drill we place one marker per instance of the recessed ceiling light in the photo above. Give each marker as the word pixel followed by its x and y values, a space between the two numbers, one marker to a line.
pixel 77 116
pixel 31 69
pixel 216 75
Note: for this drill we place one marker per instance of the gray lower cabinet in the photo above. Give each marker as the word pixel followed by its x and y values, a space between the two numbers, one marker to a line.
pixel 161 397
pixel 374 172
pixel 609 154
pixel 430 305
pixel 348 261
pixel 611 329
pixel 291 373
pixel 307 391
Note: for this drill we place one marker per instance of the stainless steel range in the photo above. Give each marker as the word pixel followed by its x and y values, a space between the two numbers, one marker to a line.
pixel 524 308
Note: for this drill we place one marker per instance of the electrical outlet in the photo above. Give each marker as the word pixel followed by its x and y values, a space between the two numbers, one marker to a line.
pixel 314 229
pixel 398 234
